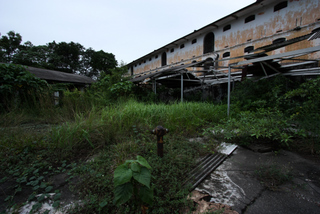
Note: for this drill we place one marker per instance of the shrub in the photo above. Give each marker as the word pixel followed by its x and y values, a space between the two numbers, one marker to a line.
pixel 19 87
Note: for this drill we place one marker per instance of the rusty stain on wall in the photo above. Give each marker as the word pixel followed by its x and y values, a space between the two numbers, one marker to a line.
pixel 267 27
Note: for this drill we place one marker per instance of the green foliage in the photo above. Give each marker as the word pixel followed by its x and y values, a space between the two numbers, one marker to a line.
pixel 249 126
pixel 19 87
pixel 66 57
pixel 132 179
pixel 304 112
pixel 9 45
pixel 121 89
pixel 250 95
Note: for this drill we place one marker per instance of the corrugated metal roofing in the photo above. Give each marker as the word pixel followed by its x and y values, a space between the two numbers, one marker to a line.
pixel 316 35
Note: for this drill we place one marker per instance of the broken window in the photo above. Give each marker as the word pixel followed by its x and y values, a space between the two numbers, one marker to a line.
pixel 280 6
pixel 227 27
pixel 249 18
pixel 226 54
pixel 208 43
pixel 248 49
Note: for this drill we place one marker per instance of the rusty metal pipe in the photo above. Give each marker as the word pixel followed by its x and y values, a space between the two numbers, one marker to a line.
pixel 159 131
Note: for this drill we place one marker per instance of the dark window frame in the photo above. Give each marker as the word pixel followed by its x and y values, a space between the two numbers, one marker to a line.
pixel 248 49
pixel 280 6
pixel 227 27
pixel 250 18
pixel 226 54
pixel 279 40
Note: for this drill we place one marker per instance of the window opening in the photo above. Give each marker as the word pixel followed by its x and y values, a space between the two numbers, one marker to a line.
pixel 248 49
pixel 172 50
pixel 194 41
pixel 181 46
pixel 280 6
pixel 249 18
pixel 279 40
pixel 226 54
pixel 227 27
pixel 164 59
pixel 208 63
pixel 208 43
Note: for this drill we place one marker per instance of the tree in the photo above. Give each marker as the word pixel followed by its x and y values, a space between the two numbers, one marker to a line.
pixel 9 45
pixel 97 62
pixel 65 56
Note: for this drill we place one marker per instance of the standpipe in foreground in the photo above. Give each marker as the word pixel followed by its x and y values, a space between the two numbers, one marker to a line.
pixel 160 131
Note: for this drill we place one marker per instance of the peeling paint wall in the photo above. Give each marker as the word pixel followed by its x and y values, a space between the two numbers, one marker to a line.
pixel 298 18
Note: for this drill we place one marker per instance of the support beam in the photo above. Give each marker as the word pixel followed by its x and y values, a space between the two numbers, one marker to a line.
pixel 182 87
pixel 155 86
pixel 291 53
pixel 229 83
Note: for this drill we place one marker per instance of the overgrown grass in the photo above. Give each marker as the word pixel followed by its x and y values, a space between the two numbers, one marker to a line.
pixel 86 126
pixel 113 134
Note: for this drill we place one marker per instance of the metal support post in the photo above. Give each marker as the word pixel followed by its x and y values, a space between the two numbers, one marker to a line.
pixel 229 83
pixel 155 86
pixel 160 131
pixel 182 87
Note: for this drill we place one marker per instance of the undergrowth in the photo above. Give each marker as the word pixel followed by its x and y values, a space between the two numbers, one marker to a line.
pixel 90 133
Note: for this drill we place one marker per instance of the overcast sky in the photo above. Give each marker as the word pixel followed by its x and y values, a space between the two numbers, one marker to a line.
pixel 127 28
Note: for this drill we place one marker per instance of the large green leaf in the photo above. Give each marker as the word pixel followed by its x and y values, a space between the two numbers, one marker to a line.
pixel 146 195
pixel 135 167
pixel 122 193
pixel 143 162
pixel 122 174
pixel 143 177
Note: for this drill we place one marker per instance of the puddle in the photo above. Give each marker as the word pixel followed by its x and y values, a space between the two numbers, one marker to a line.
pixel 221 188
pixel 47 207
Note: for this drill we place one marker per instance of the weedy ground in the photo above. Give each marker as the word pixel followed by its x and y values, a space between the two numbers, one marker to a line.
pixel 84 151
pixel 49 153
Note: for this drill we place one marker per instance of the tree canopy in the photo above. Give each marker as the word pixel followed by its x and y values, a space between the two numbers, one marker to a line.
pixel 66 57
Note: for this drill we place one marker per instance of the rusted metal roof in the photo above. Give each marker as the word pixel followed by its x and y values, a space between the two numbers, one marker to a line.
pixel 58 76
pixel 167 72
pixel 315 35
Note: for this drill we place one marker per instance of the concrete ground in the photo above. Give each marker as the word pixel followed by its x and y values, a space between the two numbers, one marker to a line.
pixel 235 183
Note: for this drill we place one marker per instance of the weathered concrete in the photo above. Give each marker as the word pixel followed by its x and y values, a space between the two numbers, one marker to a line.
pixel 235 183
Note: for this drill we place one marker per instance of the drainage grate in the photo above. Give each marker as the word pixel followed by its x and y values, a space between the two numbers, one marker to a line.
pixel 207 165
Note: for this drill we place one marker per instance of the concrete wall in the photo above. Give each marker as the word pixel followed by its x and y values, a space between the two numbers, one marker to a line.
pixel 263 30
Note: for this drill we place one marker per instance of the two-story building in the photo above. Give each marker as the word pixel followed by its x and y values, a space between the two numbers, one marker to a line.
pixel 285 31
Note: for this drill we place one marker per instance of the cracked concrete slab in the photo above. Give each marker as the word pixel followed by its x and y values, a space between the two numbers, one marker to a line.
pixel 235 183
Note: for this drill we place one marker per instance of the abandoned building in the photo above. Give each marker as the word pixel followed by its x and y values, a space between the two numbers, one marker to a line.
pixel 264 39
pixel 53 77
